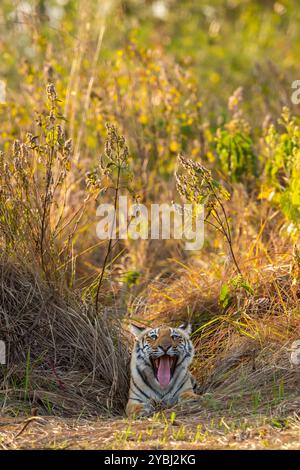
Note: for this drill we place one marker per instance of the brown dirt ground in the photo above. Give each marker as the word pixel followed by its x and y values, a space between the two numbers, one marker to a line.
pixel 160 432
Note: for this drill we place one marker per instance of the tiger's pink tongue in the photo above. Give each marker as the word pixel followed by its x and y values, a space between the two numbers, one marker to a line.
pixel 164 373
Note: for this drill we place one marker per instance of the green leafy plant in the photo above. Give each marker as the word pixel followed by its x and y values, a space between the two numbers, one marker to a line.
pixel 282 168
pixel 234 145
pixel 229 289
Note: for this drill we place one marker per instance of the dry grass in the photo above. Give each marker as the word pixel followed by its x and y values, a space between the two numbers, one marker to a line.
pixel 62 358
pixel 242 360
pixel 159 432
pixel 66 360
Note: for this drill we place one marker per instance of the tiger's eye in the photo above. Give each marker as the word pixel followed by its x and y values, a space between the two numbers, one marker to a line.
pixel 153 335
pixel 175 335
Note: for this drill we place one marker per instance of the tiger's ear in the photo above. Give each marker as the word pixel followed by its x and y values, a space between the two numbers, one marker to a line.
pixel 136 330
pixel 186 327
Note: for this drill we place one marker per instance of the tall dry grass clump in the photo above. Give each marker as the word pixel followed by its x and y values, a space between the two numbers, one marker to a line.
pixel 62 358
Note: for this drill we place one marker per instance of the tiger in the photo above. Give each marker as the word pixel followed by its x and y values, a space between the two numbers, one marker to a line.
pixel 159 369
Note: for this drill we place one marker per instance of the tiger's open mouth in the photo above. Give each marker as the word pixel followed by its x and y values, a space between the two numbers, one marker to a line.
pixel 164 368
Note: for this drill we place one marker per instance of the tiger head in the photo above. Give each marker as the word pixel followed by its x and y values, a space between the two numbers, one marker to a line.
pixel 162 354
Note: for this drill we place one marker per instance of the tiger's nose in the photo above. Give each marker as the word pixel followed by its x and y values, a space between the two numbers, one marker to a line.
pixel 165 346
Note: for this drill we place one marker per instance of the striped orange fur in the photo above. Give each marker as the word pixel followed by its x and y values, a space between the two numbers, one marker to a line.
pixel 159 369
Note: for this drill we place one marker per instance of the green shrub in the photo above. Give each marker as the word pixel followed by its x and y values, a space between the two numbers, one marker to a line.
pixel 282 167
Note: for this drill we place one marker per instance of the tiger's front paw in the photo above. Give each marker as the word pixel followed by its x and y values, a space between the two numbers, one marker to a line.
pixel 188 396
pixel 138 410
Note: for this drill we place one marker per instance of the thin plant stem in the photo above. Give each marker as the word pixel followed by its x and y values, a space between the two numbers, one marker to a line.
pixel 109 247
